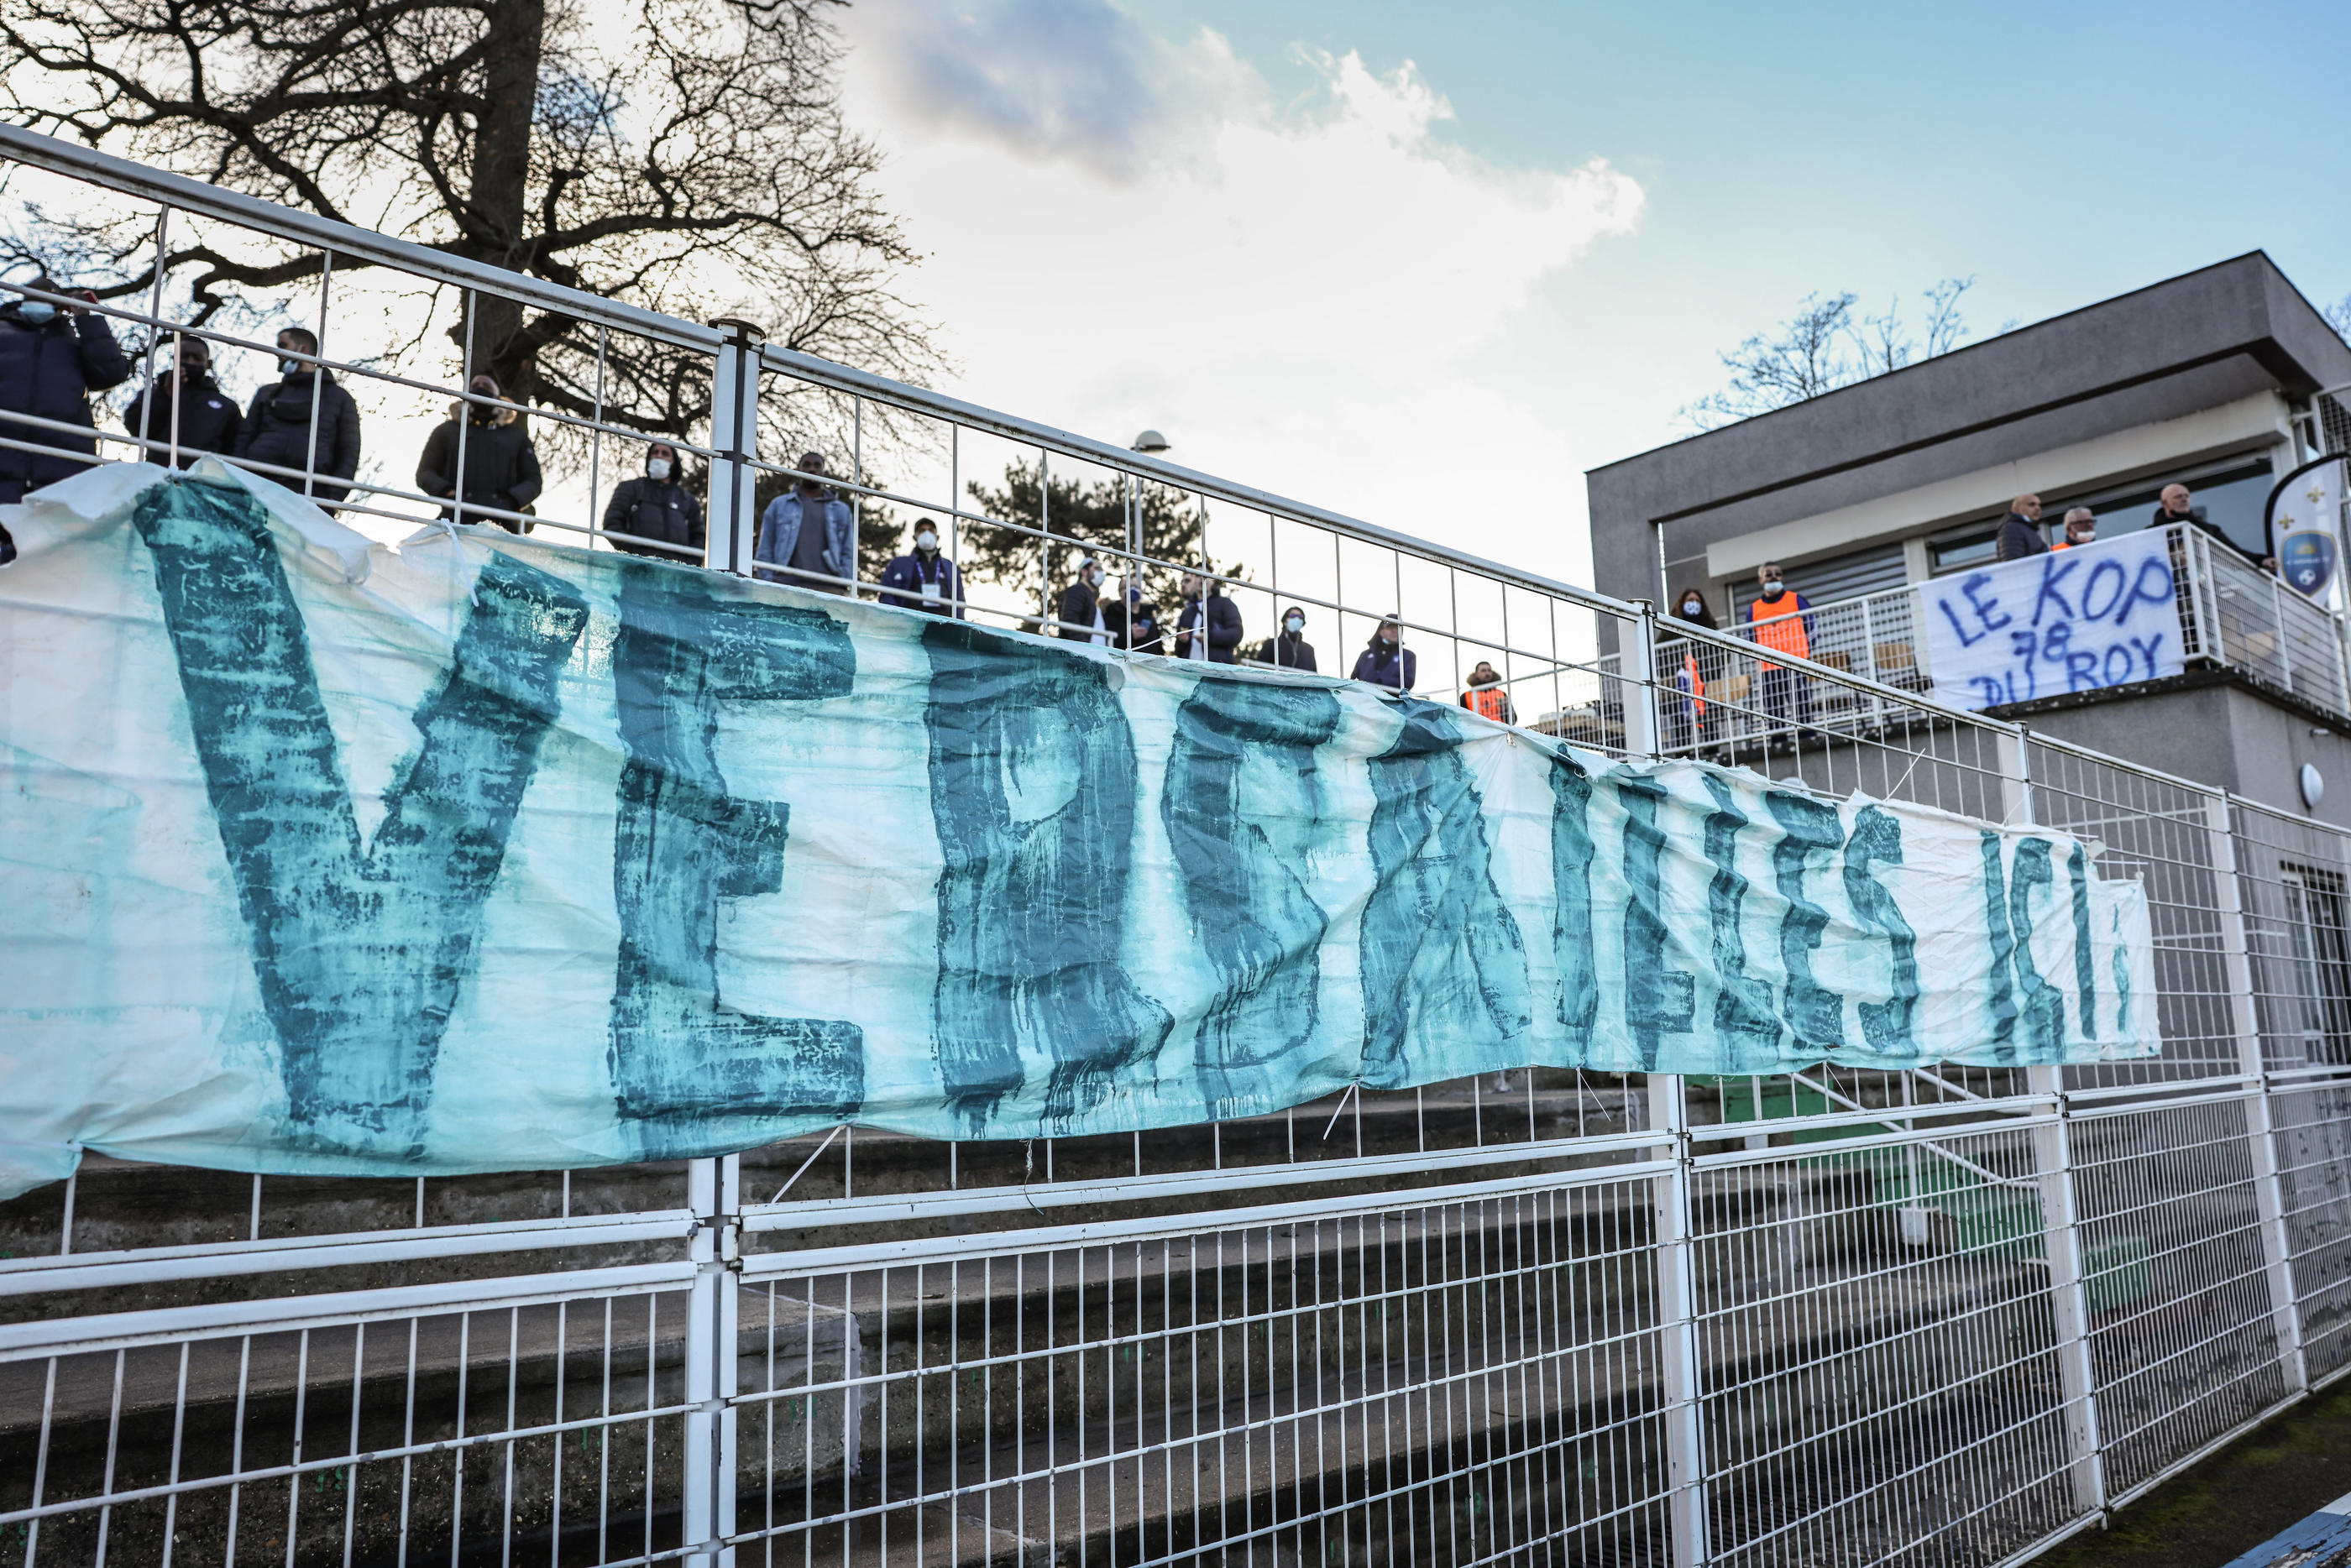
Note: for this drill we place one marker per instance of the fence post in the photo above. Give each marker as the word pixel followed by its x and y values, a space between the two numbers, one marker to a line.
pixel 1636 676
pixel 2052 1163
pixel 734 439
pixel 2269 1194
pixel 1676 1285
pixel 714 1192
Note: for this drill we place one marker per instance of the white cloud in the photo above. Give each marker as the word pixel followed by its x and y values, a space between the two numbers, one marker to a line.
pixel 1322 298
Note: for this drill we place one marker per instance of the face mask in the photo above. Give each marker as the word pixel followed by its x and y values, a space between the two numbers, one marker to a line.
pixel 1773 590
pixel 927 540
pixel 657 468
pixel 1095 579
pixel 38 311
pixel 290 366
pixel 1294 625
pixel 1692 608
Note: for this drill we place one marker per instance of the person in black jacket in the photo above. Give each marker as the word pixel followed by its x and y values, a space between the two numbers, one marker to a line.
pixel 924 579
pixel 656 507
pixel 1290 651
pixel 52 358
pixel 501 465
pixel 1124 614
pixel 2020 531
pixel 282 429
pixel 1210 625
pixel 1080 608
pixel 185 405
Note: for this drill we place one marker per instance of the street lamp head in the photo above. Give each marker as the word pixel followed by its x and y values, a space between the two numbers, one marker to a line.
pixel 1150 441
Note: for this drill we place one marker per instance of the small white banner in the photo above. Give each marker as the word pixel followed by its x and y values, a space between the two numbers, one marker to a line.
pixel 2072 621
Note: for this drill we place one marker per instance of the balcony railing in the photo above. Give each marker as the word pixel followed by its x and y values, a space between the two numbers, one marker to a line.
pixel 2231 614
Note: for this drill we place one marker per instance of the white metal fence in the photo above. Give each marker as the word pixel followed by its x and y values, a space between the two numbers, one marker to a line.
pixel 1834 1317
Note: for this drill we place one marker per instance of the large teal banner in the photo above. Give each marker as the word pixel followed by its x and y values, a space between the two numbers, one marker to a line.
pixel 318 855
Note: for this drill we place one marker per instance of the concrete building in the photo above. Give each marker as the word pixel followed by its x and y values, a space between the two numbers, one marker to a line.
pixel 2220 379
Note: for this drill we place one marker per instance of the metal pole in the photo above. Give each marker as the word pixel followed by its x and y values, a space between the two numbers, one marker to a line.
pixel 465 410
pixel 155 339
pixel 2260 1137
pixel 318 382
pixel 596 450
pixel 1637 677
pixel 2277 621
pixel 715 1194
pixel 734 438
pixel 2053 1160
pixel 1676 1285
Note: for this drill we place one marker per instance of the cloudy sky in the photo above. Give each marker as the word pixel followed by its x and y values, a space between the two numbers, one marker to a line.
pixel 1426 265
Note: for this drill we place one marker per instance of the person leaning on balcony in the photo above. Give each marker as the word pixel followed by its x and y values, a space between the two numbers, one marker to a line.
pixel 278 429
pixel 926 580
pixel 2081 528
pixel 501 463
pixel 1781 620
pixel 1210 625
pixel 1289 649
pixel 821 556
pixel 184 406
pixel 52 358
pixel 1079 610
pixel 2175 507
pixel 1385 660
pixel 1485 696
pixel 654 509
pixel 2020 531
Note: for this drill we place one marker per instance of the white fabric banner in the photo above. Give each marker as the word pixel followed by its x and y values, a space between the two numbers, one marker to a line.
pixel 486 854
pixel 2303 532
pixel 2072 621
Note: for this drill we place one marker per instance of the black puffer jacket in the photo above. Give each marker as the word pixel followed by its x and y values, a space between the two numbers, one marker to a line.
pixel 49 371
pixel 648 508
pixel 209 420
pixel 278 431
pixel 501 468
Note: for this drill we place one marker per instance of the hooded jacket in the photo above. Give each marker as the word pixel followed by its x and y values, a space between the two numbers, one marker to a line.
pixel 1394 667
pixel 657 509
pixel 48 370
pixel 276 431
pixel 1287 652
pixel 501 467
pixel 209 418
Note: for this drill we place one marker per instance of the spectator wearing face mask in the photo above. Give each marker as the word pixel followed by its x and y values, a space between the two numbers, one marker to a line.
pixel 183 406
pixel 1485 696
pixel 501 465
pixel 1782 621
pixel 2019 532
pixel 1209 625
pixel 924 580
pixel 52 358
pixel 1133 622
pixel 302 423
pixel 1385 660
pixel 1290 650
pixel 654 509
pixel 2081 528
pixel 1079 612
pixel 809 534
pixel 1700 662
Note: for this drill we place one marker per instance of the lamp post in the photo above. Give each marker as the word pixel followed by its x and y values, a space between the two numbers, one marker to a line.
pixel 1150 443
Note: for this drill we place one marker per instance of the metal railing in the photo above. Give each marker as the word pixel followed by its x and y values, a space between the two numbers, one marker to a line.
pixel 1847 1315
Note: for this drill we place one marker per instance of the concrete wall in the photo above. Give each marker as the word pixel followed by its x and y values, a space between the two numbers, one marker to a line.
pixel 2218 735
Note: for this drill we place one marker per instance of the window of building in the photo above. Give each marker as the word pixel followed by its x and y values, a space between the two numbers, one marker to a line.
pixel 2317 1008
pixel 1850 576
pixel 2231 495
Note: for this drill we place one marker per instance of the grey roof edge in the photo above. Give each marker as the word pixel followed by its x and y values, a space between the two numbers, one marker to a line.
pixel 1822 406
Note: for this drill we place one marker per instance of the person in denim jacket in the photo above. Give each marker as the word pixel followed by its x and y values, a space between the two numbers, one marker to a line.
pixel 811 554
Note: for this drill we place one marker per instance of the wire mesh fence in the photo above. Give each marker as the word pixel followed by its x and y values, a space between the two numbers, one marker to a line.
pixel 1837 1316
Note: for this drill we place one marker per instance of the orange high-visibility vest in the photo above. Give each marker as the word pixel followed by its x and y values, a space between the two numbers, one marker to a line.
pixel 1785 635
pixel 1486 702
pixel 1696 686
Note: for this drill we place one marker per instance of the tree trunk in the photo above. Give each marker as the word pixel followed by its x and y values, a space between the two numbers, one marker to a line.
pixel 498 227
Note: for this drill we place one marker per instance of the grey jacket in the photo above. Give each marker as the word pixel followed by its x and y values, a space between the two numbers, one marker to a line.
pixel 779 534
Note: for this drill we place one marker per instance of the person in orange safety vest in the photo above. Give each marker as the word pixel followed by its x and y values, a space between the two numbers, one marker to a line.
pixel 2081 528
pixel 1485 696
pixel 1781 620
